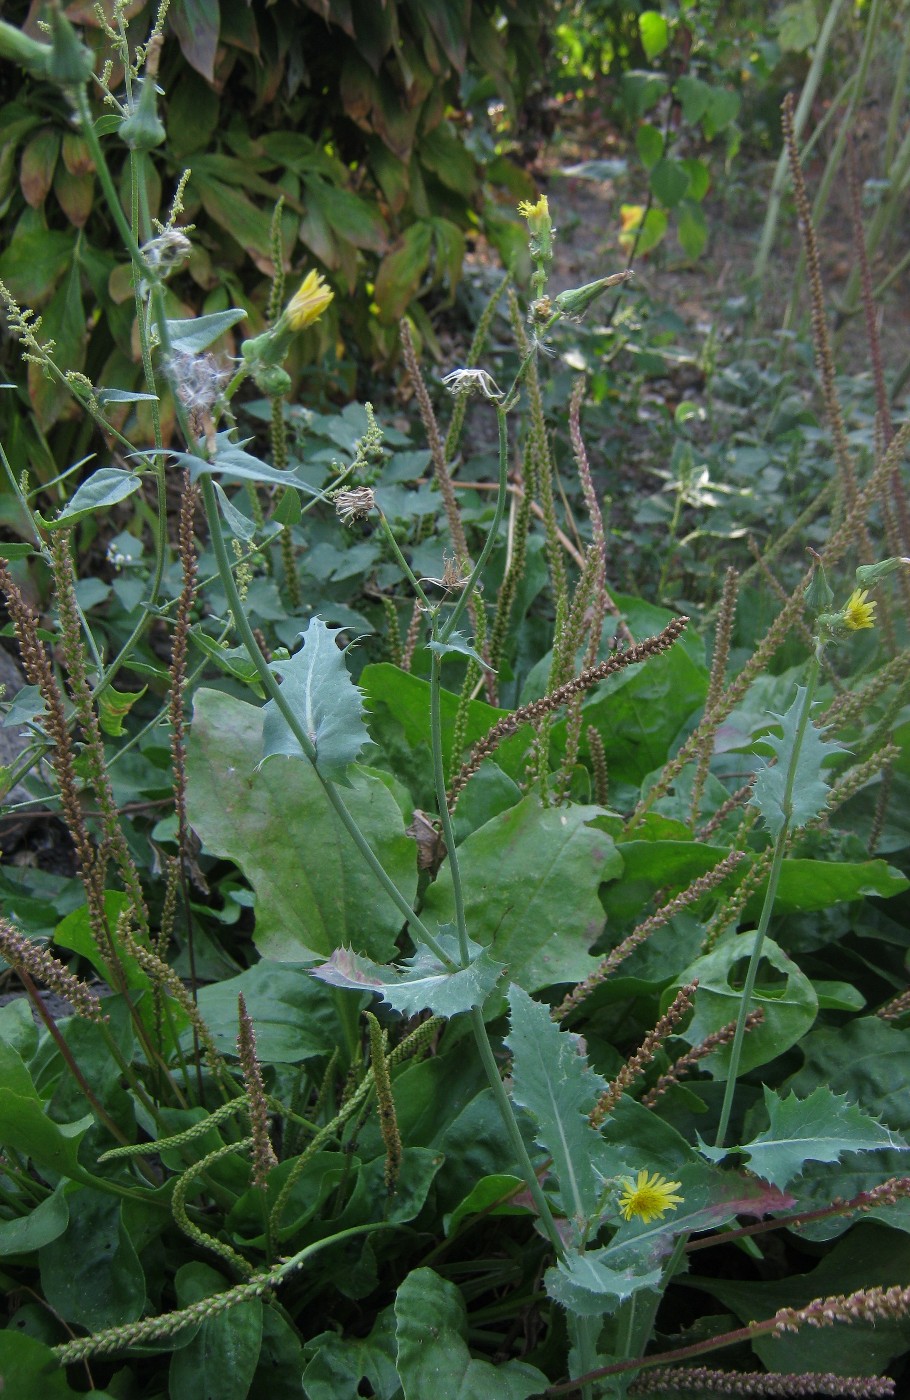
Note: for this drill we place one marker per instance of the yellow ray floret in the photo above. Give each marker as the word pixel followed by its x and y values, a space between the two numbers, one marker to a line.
pixel 649 1197
pixel 308 302
pixel 858 613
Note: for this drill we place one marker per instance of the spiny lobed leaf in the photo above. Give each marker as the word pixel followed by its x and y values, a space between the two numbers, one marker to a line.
pixel 810 790
pixel 422 983
pixel 551 1078
pixel 326 702
pixel 817 1129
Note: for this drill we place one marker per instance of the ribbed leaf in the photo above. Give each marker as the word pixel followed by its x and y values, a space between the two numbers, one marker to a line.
pixel 326 703
pixel 810 790
pixel 551 1078
pixel 422 983
pixel 817 1129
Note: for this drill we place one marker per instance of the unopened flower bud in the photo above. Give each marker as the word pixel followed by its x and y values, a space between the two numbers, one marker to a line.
pixel 573 304
pixel 819 595
pixel 868 575
pixel 308 302
pixel 70 63
pixel 143 129
pixel 274 381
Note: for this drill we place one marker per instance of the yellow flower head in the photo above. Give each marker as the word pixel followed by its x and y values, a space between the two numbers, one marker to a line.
pixel 858 613
pixel 535 214
pixel 308 302
pixel 649 1197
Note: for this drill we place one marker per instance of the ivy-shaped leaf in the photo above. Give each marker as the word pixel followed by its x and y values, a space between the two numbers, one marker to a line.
pixel 817 1129
pixel 551 1077
pixel 810 790
pixel 326 703
pixel 421 983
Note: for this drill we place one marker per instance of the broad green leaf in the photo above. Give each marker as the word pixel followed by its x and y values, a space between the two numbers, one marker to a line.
pixel 652 223
pixel 722 109
pixel 104 487
pixel 790 1006
pixel 339 1365
pixel 91 1274
pixel 401 271
pixel 691 228
pixel 669 181
pixel 327 705
pixel 64 322
pixel 420 983
pixel 197 333
pixel 32 264
pixel 231 461
pixel 29 1232
pixel 869 1256
pixel 106 396
pixel 295 1018
pixel 114 706
pixel 694 96
pixel 312 885
pixel 238 523
pixel 817 884
pixel 433 1355
pixel 30 1368
pixel 530 880
pixel 26 1128
pixel 817 1129
pixel 587 1284
pixel 222 1357
pixel 810 790
pixel 797 26
pixel 641 90
pixel 649 143
pixel 551 1078
pixel 699 178
pixel 493 1195
pixel 654 31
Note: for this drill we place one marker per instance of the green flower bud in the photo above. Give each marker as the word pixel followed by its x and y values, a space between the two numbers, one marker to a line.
pixel 70 63
pixel 868 575
pixel 28 53
pixel 274 381
pixel 143 129
pixel 573 304
pixel 819 594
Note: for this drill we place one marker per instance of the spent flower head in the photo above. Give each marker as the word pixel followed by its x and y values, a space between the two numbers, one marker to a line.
pixel 648 1197
pixel 473 381
pixel 354 505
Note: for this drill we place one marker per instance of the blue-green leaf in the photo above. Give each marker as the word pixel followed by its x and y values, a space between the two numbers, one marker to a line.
pixel 809 789
pixel 587 1284
pixel 817 1129
pixel 104 488
pixel 458 645
pixel 326 703
pixel 422 982
pixel 199 332
pixel 551 1078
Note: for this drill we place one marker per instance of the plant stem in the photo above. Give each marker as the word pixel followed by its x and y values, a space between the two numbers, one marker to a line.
pixel 452 620
pixel 445 816
pixel 768 905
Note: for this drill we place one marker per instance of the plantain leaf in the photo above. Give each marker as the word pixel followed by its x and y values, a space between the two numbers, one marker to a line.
pixel 817 1129
pixel 809 789
pixel 326 702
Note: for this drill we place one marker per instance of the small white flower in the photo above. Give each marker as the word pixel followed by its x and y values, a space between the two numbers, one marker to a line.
pixel 473 381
